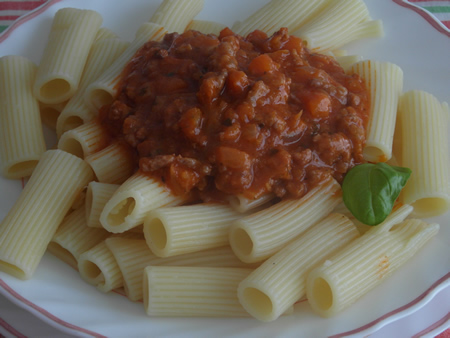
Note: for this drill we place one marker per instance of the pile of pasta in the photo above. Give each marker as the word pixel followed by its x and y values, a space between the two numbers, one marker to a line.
pixel 123 229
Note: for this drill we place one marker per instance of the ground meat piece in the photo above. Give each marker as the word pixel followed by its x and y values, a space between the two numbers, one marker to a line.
pixel 333 148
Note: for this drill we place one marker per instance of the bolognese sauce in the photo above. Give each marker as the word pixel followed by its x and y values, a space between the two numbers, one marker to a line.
pixel 214 115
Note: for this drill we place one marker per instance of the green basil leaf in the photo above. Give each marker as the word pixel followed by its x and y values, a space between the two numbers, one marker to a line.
pixel 370 190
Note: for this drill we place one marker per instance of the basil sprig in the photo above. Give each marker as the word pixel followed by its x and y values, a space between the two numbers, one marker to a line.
pixel 370 190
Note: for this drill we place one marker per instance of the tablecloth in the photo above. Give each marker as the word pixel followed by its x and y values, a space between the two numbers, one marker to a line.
pixel 12 317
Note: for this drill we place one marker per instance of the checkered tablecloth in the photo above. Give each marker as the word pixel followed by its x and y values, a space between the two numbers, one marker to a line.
pixel 12 10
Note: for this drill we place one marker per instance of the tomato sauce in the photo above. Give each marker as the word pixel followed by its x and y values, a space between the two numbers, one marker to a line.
pixel 214 115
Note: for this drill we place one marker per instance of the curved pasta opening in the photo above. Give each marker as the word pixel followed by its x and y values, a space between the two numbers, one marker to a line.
pixel 241 242
pixel 257 303
pixel 55 89
pixel 123 209
pixel 49 116
pixel 237 203
pixel 72 146
pixel 91 272
pixel 431 206
pixel 71 122
pixel 13 270
pixel 63 254
pixel 374 154
pixel 99 97
pixel 322 294
pixel 22 169
pixel 157 235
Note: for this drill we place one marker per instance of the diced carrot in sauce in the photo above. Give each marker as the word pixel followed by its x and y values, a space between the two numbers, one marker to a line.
pixel 237 83
pixel 261 65
pixel 317 103
pixel 232 158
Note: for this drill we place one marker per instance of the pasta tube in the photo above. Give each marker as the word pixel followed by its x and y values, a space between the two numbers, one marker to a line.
pixel 172 291
pixel 425 151
pixel 72 33
pixel 291 14
pixel 98 267
pixel 385 83
pixel 97 195
pixel 336 25
pixel 258 236
pixel 104 88
pixel 50 113
pixel 175 15
pixel 178 230
pixel 112 164
pixel 130 204
pixel 74 237
pixel 21 138
pixel 30 225
pixel 84 140
pixel 364 263
pixel 243 204
pixel 281 280
pixel 347 61
pixel 103 53
pixel 133 255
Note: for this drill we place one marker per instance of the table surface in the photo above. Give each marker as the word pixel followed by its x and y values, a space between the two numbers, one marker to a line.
pixel 17 322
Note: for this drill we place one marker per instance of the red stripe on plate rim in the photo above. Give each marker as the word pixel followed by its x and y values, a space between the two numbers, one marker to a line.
pixel 433 327
pixel 7 32
pixel 402 311
pixel 10 329
pixel 430 18
pixel 44 312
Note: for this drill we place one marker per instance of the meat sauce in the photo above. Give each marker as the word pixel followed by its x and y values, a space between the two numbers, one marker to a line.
pixel 214 115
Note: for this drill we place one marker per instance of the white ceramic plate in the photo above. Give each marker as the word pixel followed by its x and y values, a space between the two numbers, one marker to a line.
pixel 56 293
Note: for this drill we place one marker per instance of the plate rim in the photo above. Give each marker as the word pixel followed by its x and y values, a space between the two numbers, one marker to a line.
pixel 371 327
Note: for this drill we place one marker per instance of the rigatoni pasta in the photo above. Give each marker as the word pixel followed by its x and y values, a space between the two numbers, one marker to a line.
pixel 21 137
pixel 425 151
pixel 97 266
pixel 243 204
pixel 130 204
pixel 173 291
pixel 385 82
pixel 175 15
pixel 103 53
pixel 50 113
pixel 371 258
pixel 85 140
pixel 281 280
pixel 111 164
pixel 134 255
pixel 97 195
pixel 72 33
pixel 179 230
pixel 335 26
pixel 256 237
pixel 74 237
pixel 291 14
pixel 103 89
pixel 31 223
